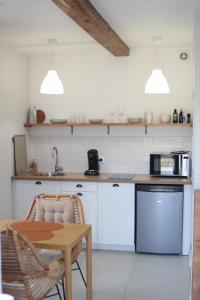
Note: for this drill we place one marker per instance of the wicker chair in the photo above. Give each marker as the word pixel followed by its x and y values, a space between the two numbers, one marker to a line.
pixel 61 208
pixel 24 274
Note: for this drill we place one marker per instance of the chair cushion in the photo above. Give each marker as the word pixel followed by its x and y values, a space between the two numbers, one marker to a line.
pixel 55 210
pixel 49 256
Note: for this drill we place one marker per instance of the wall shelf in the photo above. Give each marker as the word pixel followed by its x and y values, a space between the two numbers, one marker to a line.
pixel 110 129
pixel 28 125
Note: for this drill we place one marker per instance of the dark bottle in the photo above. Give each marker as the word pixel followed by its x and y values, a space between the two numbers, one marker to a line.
pixel 175 116
pixel 180 117
pixel 188 118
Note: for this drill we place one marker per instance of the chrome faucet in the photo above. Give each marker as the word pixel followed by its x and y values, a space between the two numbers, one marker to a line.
pixel 57 167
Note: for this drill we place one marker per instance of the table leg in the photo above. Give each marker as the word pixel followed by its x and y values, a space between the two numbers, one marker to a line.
pixel 89 264
pixel 68 274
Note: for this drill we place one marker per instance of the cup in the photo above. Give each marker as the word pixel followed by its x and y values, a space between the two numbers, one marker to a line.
pixel 165 118
pixel 81 119
pixel 73 118
pixel 112 112
pixel 149 117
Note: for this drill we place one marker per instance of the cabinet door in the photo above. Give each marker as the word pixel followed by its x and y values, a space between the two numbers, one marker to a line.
pixel 89 201
pixel 25 190
pixel 116 214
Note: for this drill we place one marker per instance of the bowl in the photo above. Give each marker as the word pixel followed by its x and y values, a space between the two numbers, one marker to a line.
pixel 96 120
pixel 134 120
pixel 165 118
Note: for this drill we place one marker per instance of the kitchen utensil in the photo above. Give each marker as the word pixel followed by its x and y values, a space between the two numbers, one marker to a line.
pixel 40 115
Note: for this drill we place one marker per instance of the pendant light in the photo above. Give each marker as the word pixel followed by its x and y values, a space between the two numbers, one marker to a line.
pixel 51 84
pixel 157 83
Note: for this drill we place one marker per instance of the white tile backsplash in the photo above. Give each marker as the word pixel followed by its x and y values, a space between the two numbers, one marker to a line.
pixel 121 154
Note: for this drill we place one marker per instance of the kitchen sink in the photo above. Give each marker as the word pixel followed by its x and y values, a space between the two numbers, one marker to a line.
pixel 50 174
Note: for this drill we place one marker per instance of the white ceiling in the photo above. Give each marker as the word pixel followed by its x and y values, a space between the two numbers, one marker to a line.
pixel 29 23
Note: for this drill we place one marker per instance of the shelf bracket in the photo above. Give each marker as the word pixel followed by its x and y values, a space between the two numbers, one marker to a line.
pixel 108 130
pixel 145 128
pixel 72 130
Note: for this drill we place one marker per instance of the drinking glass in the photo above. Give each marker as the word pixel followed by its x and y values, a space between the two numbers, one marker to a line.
pixel 112 111
pixel 149 117
pixel 121 112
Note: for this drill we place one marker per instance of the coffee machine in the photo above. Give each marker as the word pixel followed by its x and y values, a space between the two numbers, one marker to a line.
pixel 93 163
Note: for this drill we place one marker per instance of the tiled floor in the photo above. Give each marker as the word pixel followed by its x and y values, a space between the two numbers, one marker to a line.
pixel 131 276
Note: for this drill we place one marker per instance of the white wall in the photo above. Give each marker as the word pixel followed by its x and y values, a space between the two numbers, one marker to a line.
pixel 14 95
pixel 121 154
pixel 196 135
pixel 93 81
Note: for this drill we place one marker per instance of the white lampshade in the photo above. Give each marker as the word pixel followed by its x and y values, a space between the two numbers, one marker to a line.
pixel 52 84
pixel 157 83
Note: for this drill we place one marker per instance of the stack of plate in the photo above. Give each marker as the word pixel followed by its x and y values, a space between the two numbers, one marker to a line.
pixel 134 120
pixel 58 120
pixel 96 120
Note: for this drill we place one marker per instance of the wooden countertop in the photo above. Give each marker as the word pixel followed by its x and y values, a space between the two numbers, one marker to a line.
pixel 143 179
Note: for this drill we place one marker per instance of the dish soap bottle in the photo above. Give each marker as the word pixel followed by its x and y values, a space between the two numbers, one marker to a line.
pixel 175 116
pixel 33 167
pixel 180 117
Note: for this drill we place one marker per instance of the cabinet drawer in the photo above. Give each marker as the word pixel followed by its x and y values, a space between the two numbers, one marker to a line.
pixel 79 186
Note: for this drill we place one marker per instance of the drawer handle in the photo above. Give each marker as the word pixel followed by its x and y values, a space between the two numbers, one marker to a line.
pixel 79 186
pixel 115 185
pixel 79 194
pixel 38 182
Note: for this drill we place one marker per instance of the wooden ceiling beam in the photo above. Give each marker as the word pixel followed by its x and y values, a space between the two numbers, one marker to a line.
pixel 87 17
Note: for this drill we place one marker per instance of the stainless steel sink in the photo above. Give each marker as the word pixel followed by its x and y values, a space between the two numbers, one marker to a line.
pixel 122 176
pixel 50 174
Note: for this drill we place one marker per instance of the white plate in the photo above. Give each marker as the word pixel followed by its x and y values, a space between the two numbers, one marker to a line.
pixel 96 120
pixel 58 120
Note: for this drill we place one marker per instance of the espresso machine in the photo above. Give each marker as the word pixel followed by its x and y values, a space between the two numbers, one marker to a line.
pixel 93 163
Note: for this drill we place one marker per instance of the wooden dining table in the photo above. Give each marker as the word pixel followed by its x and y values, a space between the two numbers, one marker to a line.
pixel 64 240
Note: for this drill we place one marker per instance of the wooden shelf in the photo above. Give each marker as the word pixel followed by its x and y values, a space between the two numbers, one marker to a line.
pixel 28 125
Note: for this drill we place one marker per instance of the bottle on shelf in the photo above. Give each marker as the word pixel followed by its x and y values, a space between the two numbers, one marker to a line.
pixel 184 117
pixel 180 117
pixel 175 116
pixel 32 115
pixel 188 118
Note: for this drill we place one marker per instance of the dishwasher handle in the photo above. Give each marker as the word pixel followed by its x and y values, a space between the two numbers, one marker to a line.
pixel 160 188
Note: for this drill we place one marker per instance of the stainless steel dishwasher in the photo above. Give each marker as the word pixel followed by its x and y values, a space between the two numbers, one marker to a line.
pixel 159 219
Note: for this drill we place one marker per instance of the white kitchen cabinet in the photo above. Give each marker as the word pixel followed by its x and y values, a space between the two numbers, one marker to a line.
pixel 88 194
pixel 25 190
pixel 116 211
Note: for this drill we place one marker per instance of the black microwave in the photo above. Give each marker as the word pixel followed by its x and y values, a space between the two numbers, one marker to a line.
pixel 174 164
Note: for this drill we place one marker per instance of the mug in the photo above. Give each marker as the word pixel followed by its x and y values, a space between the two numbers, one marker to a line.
pixel 149 117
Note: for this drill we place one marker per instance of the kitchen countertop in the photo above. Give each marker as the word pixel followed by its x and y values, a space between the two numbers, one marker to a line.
pixel 138 178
